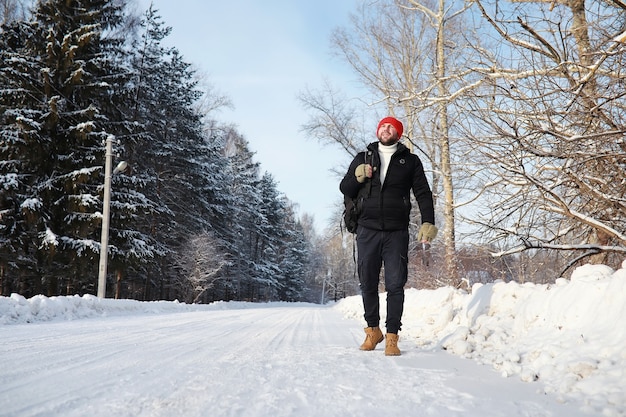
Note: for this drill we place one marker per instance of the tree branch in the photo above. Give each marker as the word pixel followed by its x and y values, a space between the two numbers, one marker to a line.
pixel 539 245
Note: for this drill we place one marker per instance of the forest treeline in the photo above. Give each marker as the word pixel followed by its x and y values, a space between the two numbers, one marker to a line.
pixel 192 218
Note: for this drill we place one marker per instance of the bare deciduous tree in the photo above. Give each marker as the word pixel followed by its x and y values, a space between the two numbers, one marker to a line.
pixel 391 49
pixel 13 10
pixel 435 95
pixel 552 127
pixel 340 278
pixel 201 262
pixel 520 118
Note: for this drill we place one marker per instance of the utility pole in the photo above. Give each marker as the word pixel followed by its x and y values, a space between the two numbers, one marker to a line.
pixel 106 208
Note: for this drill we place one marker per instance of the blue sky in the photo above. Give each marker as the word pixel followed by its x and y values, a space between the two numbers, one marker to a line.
pixel 262 54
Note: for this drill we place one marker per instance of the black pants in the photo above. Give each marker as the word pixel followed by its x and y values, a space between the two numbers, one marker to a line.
pixel 375 249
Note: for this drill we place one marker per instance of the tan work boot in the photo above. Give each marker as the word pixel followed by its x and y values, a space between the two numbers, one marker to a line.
pixel 373 336
pixel 391 346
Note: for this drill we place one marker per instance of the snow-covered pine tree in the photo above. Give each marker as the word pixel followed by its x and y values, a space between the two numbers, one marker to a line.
pixel 148 150
pixel 75 98
pixel 243 215
pixel 268 237
pixel 183 167
pixel 293 261
pixel 24 156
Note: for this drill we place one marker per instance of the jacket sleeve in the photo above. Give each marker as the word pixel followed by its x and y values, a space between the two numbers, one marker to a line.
pixel 349 186
pixel 423 194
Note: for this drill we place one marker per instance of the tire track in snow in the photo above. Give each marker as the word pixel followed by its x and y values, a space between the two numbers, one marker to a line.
pixel 261 362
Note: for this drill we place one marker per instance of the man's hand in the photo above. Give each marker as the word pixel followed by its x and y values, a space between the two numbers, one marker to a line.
pixel 362 172
pixel 427 232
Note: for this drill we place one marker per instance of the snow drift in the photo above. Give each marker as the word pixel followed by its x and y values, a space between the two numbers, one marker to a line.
pixel 570 336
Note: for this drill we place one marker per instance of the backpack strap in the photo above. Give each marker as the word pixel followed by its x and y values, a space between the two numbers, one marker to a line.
pixel 368 184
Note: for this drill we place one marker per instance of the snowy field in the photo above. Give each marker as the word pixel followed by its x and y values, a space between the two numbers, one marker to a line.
pixel 504 350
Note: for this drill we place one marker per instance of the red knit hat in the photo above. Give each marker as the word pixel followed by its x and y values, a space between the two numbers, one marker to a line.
pixel 392 121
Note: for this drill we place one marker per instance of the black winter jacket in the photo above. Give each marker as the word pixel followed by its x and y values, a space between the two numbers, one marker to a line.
pixel 388 207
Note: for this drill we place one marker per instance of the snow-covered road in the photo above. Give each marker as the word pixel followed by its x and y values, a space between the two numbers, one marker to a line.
pixel 284 360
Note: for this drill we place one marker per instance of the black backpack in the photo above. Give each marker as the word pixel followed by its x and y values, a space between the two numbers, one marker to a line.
pixel 353 206
pixel 351 212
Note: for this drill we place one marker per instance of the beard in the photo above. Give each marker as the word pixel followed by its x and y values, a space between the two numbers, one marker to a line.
pixel 388 140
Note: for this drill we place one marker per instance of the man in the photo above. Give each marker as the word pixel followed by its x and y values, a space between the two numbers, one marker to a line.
pixel 383 176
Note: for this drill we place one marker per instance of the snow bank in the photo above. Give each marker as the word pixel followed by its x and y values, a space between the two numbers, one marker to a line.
pixel 570 336
pixel 17 309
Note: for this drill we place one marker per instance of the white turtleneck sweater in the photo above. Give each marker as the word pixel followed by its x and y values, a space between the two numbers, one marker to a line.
pixel 385 153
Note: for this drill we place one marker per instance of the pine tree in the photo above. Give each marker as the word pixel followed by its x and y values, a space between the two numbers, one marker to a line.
pixel 23 156
pixel 269 236
pixel 243 215
pixel 75 98
pixel 148 150
pixel 293 261
pixel 182 167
